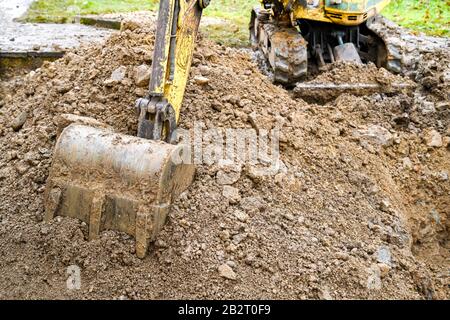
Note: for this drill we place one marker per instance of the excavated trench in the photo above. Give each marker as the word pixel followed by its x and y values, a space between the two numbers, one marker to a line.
pixel 358 209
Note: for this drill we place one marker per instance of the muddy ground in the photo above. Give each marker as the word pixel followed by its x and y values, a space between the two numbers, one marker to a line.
pixel 359 209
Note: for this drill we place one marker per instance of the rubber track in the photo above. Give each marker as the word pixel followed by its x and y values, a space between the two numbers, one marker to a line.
pixel 287 55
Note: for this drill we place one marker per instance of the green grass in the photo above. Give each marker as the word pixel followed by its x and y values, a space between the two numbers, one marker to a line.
pixel 237 14
pixel 429 16
pixel 61 11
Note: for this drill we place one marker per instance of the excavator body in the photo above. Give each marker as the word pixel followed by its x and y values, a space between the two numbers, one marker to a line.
pixel 338 12
pixel 299 36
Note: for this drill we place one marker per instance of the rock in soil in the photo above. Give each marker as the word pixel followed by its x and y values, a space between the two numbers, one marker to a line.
pixel 19 121
pixel 225 271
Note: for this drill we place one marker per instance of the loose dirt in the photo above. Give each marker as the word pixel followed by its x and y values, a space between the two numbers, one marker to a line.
pixel 359 208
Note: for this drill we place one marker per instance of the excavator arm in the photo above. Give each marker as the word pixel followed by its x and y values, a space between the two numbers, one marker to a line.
pixel 113 181
pixel 177 28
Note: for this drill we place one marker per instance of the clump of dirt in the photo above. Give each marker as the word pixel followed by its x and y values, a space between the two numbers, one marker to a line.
pixel 434 74
pixel 344 72
pixel 358 208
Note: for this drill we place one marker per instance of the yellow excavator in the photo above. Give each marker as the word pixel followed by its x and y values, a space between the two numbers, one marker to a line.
pixel 298 35
pixel 113 181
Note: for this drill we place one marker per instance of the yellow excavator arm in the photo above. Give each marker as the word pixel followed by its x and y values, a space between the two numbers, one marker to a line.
pixel 177 28
pixel 113 181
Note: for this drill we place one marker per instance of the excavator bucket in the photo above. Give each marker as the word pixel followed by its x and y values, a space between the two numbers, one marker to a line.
pixel 115 182
pixel 118 182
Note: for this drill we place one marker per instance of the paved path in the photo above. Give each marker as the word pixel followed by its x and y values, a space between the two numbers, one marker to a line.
pixel 40 38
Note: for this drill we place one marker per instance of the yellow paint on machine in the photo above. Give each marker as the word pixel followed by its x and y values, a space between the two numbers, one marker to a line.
pixel 324 11
pixel 164 62
pixel 188 23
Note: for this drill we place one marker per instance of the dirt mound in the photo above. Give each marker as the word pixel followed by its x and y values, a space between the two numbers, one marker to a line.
pixel 344 72
pixel 360 199
pixel 434 74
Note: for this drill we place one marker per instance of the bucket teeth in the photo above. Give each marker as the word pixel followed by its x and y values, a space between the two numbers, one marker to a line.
pixel 115 182
pixel 95 215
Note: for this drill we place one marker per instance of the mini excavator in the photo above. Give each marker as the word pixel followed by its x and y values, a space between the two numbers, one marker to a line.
pixel 113 181
pixel 295 35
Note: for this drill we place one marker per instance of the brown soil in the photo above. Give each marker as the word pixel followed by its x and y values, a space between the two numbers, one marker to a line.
pixel 342 72
pixel 360 209
pixel 357 76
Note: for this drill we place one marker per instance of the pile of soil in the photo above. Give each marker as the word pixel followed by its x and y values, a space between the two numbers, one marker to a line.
pixel 344 72
pixel 358 209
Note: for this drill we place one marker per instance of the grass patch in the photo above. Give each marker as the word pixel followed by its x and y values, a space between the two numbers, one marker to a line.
pixel 62 11
pixel 429 16
pixel 237 15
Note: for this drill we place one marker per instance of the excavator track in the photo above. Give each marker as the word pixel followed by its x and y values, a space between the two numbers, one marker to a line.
pixel 393 50
pixel 403 49
pixel 284 48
